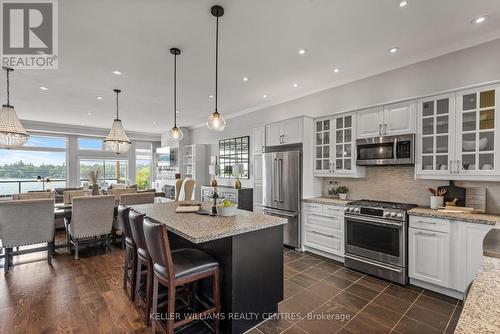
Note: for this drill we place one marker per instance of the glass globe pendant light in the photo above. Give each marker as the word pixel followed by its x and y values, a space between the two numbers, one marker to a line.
pixel 12 133
pixel 117 140
pixel 215 120
pixel 175 133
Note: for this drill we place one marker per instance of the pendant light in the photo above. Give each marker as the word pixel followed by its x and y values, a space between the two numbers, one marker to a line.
pixel 117 140
pixel 12 133
pixel 215 120
pixel 175 133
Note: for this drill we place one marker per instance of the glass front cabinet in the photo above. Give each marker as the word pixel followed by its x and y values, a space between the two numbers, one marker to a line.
pixel 334 147
pixel 456 136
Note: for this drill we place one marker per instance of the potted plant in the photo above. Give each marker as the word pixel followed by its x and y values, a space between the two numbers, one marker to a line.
pixel 342 191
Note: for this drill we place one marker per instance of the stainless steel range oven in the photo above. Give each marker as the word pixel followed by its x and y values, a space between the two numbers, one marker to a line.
pixel 376 236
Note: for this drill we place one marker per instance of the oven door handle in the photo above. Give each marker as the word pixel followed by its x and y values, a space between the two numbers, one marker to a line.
pixel 374 221
pixel 395 149
pixel 372 263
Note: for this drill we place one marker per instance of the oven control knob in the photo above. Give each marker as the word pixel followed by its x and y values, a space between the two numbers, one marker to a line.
pixel 356 210
pixel 351 209
pixel 393 214
pixel 399 215
pixel 387 213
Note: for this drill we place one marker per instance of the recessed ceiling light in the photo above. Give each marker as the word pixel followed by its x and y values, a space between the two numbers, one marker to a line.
pixel 295 85
pixel 479 20
pixel 89 114
pixel 116 72
pixel 403 3
pixel 211 96
pixel 177 111
pixel 99 97
pixel 336 70
pixel 245 79
pixel 43 88
pixel 394 50
pixel 302 51
pixel 264 96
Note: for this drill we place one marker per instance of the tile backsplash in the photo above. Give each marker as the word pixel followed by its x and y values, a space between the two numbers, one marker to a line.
pixel 398 184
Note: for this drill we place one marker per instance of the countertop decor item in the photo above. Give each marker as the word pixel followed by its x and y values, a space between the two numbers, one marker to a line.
pixel 94 176
pixel 452 192
pixel 117 140
pixel 215 120
pixel 437 198
pixel 175 133
pixel 342 191
pixel 237 168
pixel 226 210
pixel 12 133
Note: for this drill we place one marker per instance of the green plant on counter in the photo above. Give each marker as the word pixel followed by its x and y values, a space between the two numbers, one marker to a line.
pixel 342 190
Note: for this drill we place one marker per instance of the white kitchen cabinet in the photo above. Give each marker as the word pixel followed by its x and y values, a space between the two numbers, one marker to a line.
pixel 430 256
pixel 335 147
pixel 389 120
pixel 259 139
pixel 456 135
pixel 257 183
pixel 285 132
pixel 323 229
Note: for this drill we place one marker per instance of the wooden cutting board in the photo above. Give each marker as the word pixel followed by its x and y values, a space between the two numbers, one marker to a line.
pixel 187 209
pixel 452 192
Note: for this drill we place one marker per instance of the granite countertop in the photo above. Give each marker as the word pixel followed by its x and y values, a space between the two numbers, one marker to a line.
pixel 481 312
pixel 327 201
pixel 479 218
pixel 199 228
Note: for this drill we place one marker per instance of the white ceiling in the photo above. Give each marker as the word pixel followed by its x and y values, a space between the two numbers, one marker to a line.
pixel 259 40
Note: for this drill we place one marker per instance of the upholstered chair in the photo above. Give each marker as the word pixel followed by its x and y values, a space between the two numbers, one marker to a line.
pixel 187 190
pixel 91 220
pixel 34 195
pixel 137 198
pixel 26 222
pixel 70 194
pixel 178 187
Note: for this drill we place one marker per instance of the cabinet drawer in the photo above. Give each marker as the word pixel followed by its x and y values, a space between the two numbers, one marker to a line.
pixel 325 241
pixel 333 210
pixel 431 224
pixel 332 224
pixel 313 207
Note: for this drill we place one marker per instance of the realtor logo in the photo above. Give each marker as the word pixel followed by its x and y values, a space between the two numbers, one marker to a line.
pixel 29 34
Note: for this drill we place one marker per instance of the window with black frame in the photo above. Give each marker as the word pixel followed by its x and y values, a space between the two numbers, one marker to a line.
pixel 234 157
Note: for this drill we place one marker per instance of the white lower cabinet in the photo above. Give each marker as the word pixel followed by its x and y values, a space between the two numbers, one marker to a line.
pixel 323 229
pixel 443 255
pixel 430 256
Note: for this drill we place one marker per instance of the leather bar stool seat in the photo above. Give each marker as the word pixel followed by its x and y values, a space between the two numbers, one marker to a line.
pixel 130 266
pixel 188 261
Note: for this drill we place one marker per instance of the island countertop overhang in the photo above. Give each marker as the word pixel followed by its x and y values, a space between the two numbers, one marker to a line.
pixel 200 228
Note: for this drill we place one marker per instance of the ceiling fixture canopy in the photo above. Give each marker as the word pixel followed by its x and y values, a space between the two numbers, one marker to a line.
pixel 215 120
pixel 12 133
pixel 117 140
pixel 175 133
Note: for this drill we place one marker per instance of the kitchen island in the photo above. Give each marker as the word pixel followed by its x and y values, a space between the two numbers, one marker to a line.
pixel 249 249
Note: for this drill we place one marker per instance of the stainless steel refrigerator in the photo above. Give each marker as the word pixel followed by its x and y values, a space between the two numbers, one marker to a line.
pixel 282 189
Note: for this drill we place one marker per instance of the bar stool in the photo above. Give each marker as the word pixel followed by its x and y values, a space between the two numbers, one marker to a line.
pixel 130 267
pixel 176 269
pixel 143 285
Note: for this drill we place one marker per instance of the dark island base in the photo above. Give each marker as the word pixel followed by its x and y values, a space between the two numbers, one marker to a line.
pixel 251 275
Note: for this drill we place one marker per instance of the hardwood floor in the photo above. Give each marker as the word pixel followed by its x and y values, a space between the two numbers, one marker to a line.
pixel 86 296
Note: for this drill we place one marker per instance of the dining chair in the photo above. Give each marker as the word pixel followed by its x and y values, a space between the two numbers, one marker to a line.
pixel 91 221
pixel 144 275
pixel 129 269
pixel 26 222
pixel 68 195
pixel 177 268
pixel 137 198
pixel 34 195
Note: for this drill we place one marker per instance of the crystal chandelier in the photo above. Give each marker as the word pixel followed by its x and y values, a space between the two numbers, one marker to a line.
pixel 117 140
pixel 12 133
pixel 175 133
pixel 215 120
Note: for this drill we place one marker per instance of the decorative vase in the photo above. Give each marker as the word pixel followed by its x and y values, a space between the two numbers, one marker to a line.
pixel 237 184
pixel 95 189
pixel 213 182
pixel 437 202
pixel 343 196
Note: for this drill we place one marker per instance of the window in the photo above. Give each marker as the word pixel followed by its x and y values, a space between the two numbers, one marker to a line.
pixel 42 156
pixel 143 158
pixel 95 144
pixel 110 170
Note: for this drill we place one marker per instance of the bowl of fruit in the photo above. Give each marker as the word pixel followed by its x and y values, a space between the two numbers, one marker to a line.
pixel 226 209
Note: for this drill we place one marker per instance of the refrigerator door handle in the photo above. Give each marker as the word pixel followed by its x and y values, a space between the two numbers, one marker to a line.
pixel 280 180
pixel 273 190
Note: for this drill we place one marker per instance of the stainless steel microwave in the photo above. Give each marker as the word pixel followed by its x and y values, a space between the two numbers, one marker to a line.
pixel 386 150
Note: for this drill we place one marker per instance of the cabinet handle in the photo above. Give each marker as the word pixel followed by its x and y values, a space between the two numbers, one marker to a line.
pixel 284 139
pixel 426 234
pixel 385 129
pixel 324 234
pixel 458 166
pixel 423 222
pixel 380 129
pixel 450 167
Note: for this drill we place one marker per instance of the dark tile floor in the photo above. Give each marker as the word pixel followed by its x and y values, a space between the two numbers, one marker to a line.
pixel 321 296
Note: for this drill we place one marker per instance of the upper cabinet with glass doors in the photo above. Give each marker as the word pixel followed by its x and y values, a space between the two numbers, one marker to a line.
pixel 334 147
pixel 456 135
